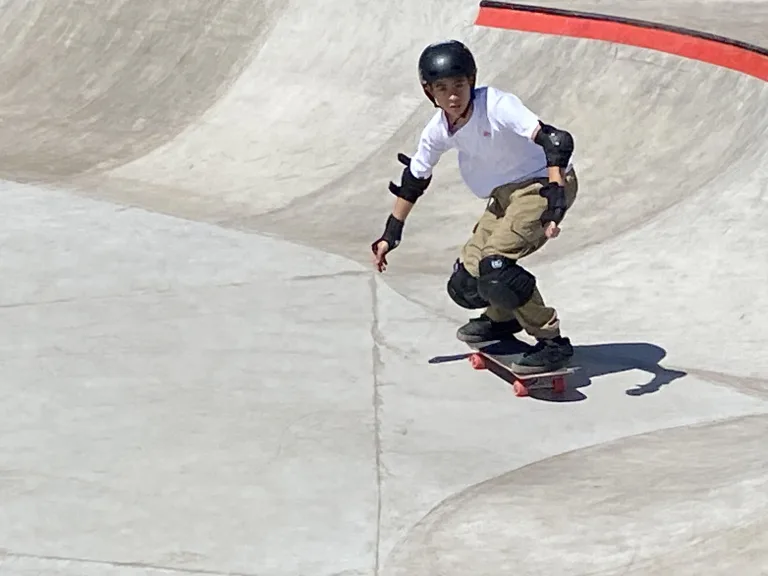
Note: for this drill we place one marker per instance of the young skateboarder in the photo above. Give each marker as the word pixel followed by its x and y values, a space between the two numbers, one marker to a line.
pixel 522 166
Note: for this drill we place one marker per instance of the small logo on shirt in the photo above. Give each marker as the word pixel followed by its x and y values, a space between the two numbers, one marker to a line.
pixel 486 133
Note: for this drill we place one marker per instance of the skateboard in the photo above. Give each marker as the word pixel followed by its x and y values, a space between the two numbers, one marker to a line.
pixel 522 383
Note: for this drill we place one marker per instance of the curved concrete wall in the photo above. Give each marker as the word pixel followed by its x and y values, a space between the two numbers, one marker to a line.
pixel 89 85
pixel 184 397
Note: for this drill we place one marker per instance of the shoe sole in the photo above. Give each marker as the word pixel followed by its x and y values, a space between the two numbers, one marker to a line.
pixel 480 340
pixel 477 339
pixel 533 370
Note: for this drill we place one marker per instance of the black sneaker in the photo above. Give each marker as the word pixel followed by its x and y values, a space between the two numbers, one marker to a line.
pixel 546 355
pixel 483 329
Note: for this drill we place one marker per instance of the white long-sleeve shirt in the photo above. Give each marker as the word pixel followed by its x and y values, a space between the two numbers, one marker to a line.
pixel 494 147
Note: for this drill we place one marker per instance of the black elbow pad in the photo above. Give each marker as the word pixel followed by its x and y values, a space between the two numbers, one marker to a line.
pixel 557 144
pixel 410 188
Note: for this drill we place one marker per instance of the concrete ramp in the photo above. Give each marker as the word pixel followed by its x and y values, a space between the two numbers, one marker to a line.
pixel 200 372
pixel 89 87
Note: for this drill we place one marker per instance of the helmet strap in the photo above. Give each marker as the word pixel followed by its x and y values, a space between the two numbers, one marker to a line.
pixel 466 110
pixel 462 116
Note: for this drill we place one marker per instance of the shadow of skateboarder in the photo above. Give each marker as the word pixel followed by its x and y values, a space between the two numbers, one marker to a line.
pixel 594 360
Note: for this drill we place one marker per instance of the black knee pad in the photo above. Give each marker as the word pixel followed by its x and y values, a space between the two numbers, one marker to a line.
pixel 504 283
pixel 462 288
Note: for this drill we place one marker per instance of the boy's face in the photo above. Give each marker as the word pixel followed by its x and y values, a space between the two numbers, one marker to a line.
pixel 452 94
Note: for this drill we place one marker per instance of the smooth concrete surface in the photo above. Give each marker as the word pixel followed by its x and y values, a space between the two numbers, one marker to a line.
pixel 668 488
pixel 200 372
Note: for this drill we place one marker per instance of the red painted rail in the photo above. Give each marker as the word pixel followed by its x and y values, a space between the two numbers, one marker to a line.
pixel 717 50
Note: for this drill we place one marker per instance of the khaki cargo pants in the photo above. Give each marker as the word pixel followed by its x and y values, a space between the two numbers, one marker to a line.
pixel 510 226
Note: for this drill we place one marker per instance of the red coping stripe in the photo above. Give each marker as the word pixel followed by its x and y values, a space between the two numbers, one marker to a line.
pixel 726 52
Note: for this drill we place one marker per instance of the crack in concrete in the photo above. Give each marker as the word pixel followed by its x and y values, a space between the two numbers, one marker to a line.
pixel 124 564
pixel 134 293
pixel 376 370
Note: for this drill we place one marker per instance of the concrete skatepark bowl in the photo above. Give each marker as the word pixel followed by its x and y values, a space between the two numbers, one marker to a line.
pixel 201 373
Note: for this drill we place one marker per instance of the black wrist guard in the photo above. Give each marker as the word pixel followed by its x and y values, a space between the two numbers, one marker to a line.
pixel 556 205
pixel 393 233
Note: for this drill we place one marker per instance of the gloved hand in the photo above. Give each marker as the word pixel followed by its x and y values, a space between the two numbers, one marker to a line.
pixel 556 204
pixel 556 208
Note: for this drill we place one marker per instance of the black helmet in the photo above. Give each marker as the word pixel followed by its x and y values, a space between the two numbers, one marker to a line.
pixel 445 59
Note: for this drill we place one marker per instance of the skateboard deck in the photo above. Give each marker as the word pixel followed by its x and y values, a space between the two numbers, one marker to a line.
pixel 522 383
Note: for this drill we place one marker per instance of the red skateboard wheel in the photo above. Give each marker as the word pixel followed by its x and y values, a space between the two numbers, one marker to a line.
pixel 477 361
pixel 520 389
